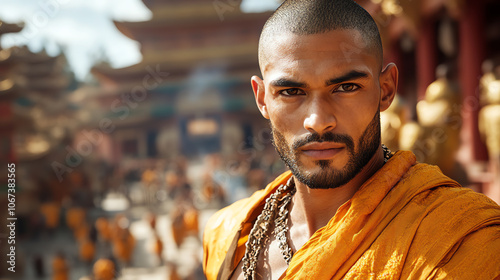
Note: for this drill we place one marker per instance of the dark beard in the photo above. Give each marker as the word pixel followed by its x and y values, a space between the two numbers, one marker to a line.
pixel 329 178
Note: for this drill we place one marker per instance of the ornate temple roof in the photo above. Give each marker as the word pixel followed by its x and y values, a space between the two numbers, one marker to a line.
pixel 182 35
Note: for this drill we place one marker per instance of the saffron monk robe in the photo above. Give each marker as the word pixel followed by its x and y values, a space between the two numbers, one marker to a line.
pixel 348 208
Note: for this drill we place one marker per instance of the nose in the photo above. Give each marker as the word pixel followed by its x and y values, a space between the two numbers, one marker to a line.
pixel 320 117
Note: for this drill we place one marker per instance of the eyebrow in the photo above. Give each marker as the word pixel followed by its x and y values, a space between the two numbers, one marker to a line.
pixel 347 77
pixel 282 82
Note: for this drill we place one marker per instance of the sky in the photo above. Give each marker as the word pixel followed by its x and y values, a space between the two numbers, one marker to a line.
pixel 83 29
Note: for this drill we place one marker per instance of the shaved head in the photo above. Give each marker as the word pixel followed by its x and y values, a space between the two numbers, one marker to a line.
pixel 306 17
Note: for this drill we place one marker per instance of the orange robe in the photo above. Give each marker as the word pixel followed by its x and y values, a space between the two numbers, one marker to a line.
pixel 104 269
pixel 87 251
pixel 408 221
pixel 75 216
pixel 81 232
pixel 51 212
pixel 158 247
pixel 191 221
pixel 178 227
pixel 123 246
pixel 60 269
pixel 103 228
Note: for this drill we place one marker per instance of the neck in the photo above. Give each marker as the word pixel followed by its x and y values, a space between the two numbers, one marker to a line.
pixel 315 207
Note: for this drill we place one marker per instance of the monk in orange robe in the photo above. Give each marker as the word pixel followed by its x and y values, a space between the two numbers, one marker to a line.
pixel 348 208
pixel 75 216
pixel 178 227
pixel 104 269
pixel 103 229
pixel 191 220
pixel 51 212
pixel 87 251
pixel 123 246
pixel 60 268
pixel 408 221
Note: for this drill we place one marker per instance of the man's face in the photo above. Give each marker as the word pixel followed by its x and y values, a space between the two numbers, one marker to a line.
pixel 322 95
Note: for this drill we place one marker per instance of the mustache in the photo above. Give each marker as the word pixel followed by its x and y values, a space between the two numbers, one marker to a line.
pixel 325 137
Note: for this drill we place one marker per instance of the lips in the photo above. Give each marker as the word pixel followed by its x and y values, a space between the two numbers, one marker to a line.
pixel 322 150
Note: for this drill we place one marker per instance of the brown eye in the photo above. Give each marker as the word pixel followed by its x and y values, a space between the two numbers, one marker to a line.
pixel 291 92
pixel 347 88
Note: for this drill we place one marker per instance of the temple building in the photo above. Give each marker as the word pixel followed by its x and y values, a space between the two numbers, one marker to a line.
pixel 8 93
pixel 191 93
pixel 35 114
pixel 35 120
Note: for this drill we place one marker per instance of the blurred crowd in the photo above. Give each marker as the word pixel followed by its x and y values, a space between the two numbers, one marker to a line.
pixel 165 199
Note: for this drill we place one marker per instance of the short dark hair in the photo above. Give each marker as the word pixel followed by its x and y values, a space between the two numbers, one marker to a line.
pixel 306 17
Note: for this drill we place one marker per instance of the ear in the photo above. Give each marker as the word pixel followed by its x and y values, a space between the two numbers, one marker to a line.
pixel 260 93
pixel 388 85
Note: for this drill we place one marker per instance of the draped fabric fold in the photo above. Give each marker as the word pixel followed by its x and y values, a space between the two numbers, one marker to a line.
pixel 408 221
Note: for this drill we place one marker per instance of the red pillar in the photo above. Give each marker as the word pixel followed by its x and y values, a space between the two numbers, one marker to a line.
pixel 394 55
pixel 426 56
pixel 471 55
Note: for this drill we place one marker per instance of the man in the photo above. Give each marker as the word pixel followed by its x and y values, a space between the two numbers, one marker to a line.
pixel 348 209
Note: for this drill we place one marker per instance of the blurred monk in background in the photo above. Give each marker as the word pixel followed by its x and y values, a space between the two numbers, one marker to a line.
pixel 104 269
pixel 60 269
